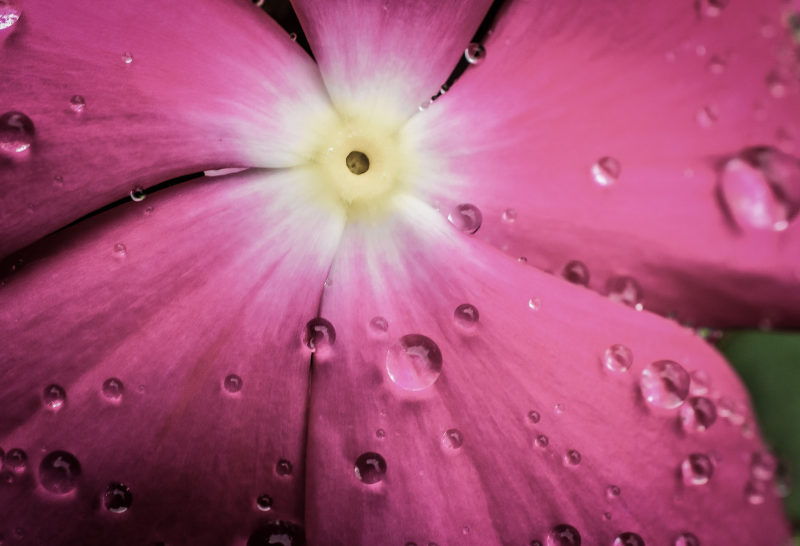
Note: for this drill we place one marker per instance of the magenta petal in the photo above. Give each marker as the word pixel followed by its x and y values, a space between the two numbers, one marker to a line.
pixel 599 132
pixel 524 427
pixel 124 94
pixel 170 297
pixel 385 58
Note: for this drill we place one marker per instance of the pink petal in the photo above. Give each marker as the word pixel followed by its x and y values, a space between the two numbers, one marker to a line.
pixel 385 58
pixel 216 277
pixel 656 97
pixel 462 464
pixel 210 84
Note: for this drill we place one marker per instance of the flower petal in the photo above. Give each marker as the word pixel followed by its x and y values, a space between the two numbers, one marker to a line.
pixel 384 58
pixel 216 277
pixel 655 97
pixel 464 461
pixel 118 99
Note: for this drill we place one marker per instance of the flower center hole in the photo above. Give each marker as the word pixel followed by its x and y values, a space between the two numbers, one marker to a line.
pixel 357 162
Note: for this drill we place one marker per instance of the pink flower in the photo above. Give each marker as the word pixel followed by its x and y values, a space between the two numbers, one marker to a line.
pixel 156 385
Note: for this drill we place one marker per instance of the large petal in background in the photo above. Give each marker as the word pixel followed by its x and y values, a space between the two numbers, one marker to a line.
pixel 125 94
pixel 174 329
pixel 628 136
pixel 479 408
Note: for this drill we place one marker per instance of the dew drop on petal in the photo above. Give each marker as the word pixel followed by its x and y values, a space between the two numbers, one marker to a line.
pixel 466 218
pixel 112 389
pixel 541 441
pixel 534 416
pixel 318 334
pixel 563 535
pixel 664 384
pixel 475 53
pixel 777 85
pixel 612 492
pixel 572 457
pixel 710 8
pixel 576 272
pixel 59 472
pixel 716 65
pixel 370 467
pixel 628 539
pixel 117 498
pixel 755 492
pixel 137 194
pixel 378 326
pixel 624 290
pixel 232 383
pixel 697 469
pixel 700 383
pixel 10 12
pixel 558 409
pixel 380 434
pixel 763 465
pixel 77 104
pixel 466 316
pixel 698 414
pixel 264 503
pixel 706 116
pixel 283 468
pixel 535 543
pixel 293 36
pixel 510 216
pixel 55 397
pixel 414 362
pixel 127 57
pixel 277 533
pixel 452 438
pixel 618 358
pixel 606 171
pixel 686 539
pixel 535 303
pixel 16 132
pixel 16 460
pixel 120 250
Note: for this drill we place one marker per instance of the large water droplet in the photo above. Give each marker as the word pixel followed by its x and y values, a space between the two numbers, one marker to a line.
pixel 113 389
pixel 664 384
pixel 576 272
pixel 618 358
pixel 264 503
pixel 319 334
pixel 452 438
pixel 628 539
pixel 414 362
pixel 686 539
pixel 625 290
pixel 475 53
pixel 117 498
pixel 59 472
pixel 10 12
pixel 16 460
pixel 283 468
pixel 698 414
pixel 466 218
pixel 697 469
pixel 370 467
pixel 16 132
pixel 466 316
pixel 55 397
pixel 606 171
pixel 563 535
pixel 232 383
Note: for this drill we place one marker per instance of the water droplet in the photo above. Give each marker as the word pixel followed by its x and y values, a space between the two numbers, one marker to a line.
pixel 424 105
pixel 576 272
pixel 700 383
pixel 466 218
pixel 127 57
pixel 283 468
pixel 414 362
pixel 522 260
pixel 612 492
pixel 379 326
pixel 475 53
pixel 716 65
pixel 380 434
pixel 606 171
pixel 756 492
pixel 59 472
pixel 117 498
pixel 535 543
pixel 120 250
pixel 232 383
pixel 558 409
pixel 510 216
pixel 541 441
pixel 370 467
pixel 452 438
pixel 16 132
pixel 293 36
pixel 277 533
pixel 618 358
pixel 10 13
pixel 264 503
pixel 563 535
pixel 777 85
pixel 466 316
pixel 697 469
pixel 319 334
pixel 137 194
pixel 706 116
pixel 686 539
pixel 664 384
pixel 55 397
pixel 572 457
pixel 533 416
pixel 763 465
pixel 628 539
pixel 535 303
pixel 148 211
pixel 625 290
pixel 58 180
pixel 731 410
pixel 697 414
pixel 16 461
pixel 112 389
pixel 710 8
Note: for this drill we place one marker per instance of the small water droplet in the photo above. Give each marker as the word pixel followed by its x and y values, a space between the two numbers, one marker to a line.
pixel 370 467
pixel 618 358
pixel 522 260
pixel 731 410
pixel 576 272
pixel 16 460
pixel 59 472
pixel 120 250
pixel 378 326
pixel 424 105
pixel 77 104
pixel 58 180
pixel 137 194
pixel 624 290
pixel 535 303
pixel 380 434
pixel 452 438
pixel 232 383
pixel 277 533
pixel 606 171
pixel 534 416
pixel 716 65
pixel 756 492
pixel 466 316
pixel 16 132
pixel 475 53
pixel 706 116
pixel 563 535
pixel 628 539
pixel 293 36
pixel 535 543
pixel 414 362
pixel 697 469
pixel 148 211
pixel 558 409
pixel 710 8
pixel 117 498
pixel 10 12
pixel 612 492
pixel 264 503
pixel 283 468
pixel 763 465
pixel 113 389
pixel 700 383
pixel 664 384
pixel 466 218
pixel 572 457
pixel 319 334
pixel 541 441
pixel 127 57
pixel 777 85
pixel 686 539
pixel 509 216
pixel 55 397
pixel 697 414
